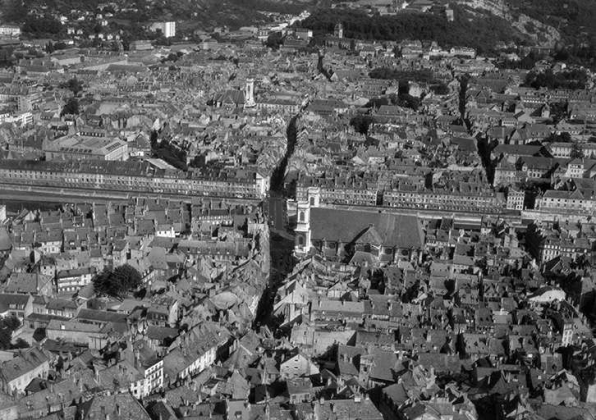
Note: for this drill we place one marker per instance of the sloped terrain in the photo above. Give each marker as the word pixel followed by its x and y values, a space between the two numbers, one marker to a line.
pixel 197 13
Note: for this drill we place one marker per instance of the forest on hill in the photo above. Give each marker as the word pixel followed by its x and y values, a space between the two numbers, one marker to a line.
pixel 573 18
pixel 203 14
pixel 575 21
pixel 487 30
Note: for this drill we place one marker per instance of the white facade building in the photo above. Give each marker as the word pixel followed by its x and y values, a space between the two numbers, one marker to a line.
pixel 168 29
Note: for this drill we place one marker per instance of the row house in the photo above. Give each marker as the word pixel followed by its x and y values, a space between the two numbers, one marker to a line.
pixel 15 305
pixel 139 177
pixel 560 150
pixel 63 308
pixel 94 336
pixel 196 351
pixel 538 167
pixel 27 365
pixel 277 104
pixel 340 190
pixel 562 202
pixel 585 113
pixel 464 197
pixel 515 199
pixel 30 283
pixel 75 279
pixel 148 367
pixel 546 244
pixel 336 310
pixel 217 250
pixel 388 114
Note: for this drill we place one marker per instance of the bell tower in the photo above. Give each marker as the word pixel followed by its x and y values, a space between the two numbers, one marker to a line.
pixel 339 30
pixel 303 233
pixel 249 94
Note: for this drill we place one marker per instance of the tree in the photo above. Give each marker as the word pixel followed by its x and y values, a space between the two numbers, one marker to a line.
pixel 488 31
pixel 74 85
pixel 440 89
pixel 558 111
pixel 274 40
pixel 71 107
pixel 568 79
pixel 20 344
pixel 406 100
pixel 42 26
pixel 117 283
pixel 173 57
pixel 14 10
pixel 561 55
pixel 576 152
pixel 563 137
pixel 50 48
pixel 7 326
pixel 129 276
pixel 378 102
pixel 361 123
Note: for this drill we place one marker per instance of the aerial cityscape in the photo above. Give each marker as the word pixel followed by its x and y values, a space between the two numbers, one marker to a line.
pixel 298 210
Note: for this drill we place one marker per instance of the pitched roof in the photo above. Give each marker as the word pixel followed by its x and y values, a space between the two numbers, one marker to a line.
pixel 346 225
pixel 13 301
pixel 116 406
pixel 24 363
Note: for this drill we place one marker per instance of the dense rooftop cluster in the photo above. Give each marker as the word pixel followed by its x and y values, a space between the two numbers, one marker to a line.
pixel 283 224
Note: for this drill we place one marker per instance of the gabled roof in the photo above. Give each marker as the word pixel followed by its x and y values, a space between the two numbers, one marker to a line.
pixel 346 225
pixel 116 406
pixel 370 236
pixel 25 362
pixel 231 97
pixel 13 301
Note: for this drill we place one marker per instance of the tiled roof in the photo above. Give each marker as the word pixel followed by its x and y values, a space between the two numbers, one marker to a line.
pixel 346 225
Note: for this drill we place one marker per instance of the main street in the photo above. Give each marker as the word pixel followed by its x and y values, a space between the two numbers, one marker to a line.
pixel 276 210
pixel 281 240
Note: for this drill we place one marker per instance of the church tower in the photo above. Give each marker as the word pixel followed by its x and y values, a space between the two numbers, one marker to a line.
pixel 249 94
pixel 303 234
pixel 339 30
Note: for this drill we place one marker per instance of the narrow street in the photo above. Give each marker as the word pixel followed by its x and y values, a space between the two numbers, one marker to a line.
pixel 281 238
pixel 276 211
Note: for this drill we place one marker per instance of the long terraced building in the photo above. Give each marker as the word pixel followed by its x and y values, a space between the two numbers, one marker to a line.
pixel 135 177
